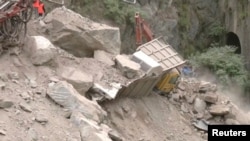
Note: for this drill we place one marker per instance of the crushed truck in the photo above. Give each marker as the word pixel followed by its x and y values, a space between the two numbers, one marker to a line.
pixel 158 60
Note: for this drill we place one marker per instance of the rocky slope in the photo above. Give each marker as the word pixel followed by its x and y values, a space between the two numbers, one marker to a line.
pixel 46 94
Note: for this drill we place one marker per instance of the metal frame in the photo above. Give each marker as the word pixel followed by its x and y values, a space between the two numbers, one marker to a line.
pixel 162 53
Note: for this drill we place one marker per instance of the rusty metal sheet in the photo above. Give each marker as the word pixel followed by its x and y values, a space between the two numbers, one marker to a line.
pixel 139 88
pixel 163 53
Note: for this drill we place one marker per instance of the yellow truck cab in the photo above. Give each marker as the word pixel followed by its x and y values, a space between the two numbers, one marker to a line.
pixel 169 81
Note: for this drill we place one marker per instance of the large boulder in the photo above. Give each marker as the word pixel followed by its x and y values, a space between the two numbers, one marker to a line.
pixel 79 35
pixel 129 68
pixel 211 98
pixel 65 95
pixel 79 79
pixel 89 130
pixel 39 49
pixel 199 105
pixel 219 110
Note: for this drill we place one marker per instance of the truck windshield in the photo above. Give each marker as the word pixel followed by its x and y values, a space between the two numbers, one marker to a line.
pixel 173 80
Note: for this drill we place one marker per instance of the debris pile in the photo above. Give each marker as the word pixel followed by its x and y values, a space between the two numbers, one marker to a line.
pixel 79 83
pixel 202 103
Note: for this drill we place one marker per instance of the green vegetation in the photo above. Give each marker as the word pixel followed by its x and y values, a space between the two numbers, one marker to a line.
pixel 243 15
pixel 114 11
pixel 184 17
pixel 120 12
pixel 186 44
pixel 216 30
pixel 227 65
pixel 243 9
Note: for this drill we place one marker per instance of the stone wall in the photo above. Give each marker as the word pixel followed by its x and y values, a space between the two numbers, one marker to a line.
pixel 236 19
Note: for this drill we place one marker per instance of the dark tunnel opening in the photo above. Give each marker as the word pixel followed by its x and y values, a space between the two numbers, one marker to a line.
pixel 233 40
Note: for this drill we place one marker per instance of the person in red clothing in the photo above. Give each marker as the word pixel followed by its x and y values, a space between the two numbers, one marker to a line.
pixel 41 10
pixel 36 3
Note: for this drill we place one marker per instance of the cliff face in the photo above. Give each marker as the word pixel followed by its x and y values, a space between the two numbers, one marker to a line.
pixel 188 25
pixel 193 25
pixel 235 15
pixel 182 23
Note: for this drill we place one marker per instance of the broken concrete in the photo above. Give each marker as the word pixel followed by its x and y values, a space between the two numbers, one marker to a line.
pixel 129 68
pixel 79 35
pixel 39 49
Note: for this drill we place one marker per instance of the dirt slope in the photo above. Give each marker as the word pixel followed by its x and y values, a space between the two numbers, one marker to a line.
pixel 151 118
pixel 20 124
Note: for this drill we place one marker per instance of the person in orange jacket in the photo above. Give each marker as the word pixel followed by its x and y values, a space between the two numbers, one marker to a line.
pixel 41 10
pixel 36 3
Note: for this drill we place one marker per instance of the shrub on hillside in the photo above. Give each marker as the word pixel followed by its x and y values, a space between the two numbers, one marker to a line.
pixel 228 66
pixel 120 12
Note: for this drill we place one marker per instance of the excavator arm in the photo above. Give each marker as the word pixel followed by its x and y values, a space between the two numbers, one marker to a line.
pixel 142 28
